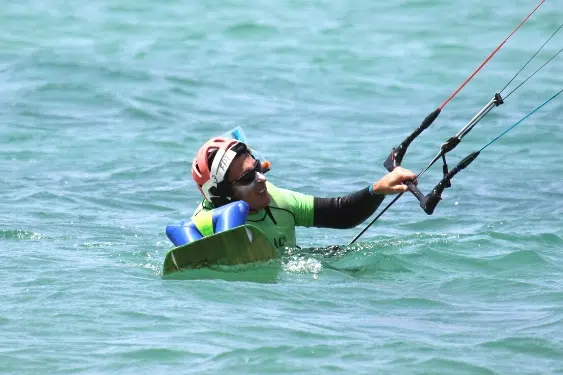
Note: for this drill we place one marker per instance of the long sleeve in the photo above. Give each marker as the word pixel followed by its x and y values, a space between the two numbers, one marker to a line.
pixel 347 211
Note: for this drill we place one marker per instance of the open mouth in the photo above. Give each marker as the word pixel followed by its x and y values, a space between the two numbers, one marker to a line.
pixel 261 191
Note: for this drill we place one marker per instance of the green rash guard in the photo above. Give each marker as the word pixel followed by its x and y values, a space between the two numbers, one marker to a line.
pixel 288 210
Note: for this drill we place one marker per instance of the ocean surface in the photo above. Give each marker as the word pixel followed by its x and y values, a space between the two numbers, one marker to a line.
pixel 104 103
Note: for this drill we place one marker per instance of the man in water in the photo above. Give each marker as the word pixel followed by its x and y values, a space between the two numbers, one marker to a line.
pixel 225 171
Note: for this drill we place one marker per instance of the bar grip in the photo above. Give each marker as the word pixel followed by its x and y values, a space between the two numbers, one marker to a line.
pixel 396 157
pixel 430 202
pixel 414 190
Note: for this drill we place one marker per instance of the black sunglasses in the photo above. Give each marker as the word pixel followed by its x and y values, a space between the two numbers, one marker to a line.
pixel 249 176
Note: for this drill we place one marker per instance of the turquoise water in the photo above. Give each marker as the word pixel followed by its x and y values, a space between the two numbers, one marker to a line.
pixel 104 103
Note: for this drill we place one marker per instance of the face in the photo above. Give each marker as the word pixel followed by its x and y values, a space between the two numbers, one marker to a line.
pixel 248 184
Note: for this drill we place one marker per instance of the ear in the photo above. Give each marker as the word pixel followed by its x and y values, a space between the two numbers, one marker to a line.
pixel 223 190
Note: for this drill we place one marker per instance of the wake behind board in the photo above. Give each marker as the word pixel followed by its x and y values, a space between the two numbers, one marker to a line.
pixel 241 245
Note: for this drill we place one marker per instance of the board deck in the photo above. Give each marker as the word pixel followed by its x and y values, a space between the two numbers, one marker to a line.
pixel 241 245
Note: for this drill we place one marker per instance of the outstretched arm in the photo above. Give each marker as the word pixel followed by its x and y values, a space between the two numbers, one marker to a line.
pixel 350 210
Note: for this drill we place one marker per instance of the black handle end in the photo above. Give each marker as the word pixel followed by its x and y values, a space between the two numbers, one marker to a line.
pixel 430 119
pixel 391 162
pixel 429 203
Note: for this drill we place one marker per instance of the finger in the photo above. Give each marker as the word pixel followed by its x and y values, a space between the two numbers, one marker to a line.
pixel 404 180
pixel 401 188
pixel 409 175
pixel 400 170
pixel 404 174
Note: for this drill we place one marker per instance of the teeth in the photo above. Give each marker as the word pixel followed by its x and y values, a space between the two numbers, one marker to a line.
pixel 261 191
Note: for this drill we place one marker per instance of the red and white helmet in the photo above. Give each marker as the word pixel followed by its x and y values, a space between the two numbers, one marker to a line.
pixel 211 179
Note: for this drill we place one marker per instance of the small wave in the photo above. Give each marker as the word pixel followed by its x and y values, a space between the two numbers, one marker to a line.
pixel 18 234
pixel 416 302
pixel 520 258
pixel 529 345
pixel 457 366
pixel 355 260
pixel 152 354
pixel 298 264
pixel 251 29
pixel 549 239
pixel 97 245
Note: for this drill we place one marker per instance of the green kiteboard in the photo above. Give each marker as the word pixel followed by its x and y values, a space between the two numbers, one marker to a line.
pixel 240 245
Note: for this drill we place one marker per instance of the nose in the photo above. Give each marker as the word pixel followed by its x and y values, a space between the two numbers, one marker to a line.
pixel 260 177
